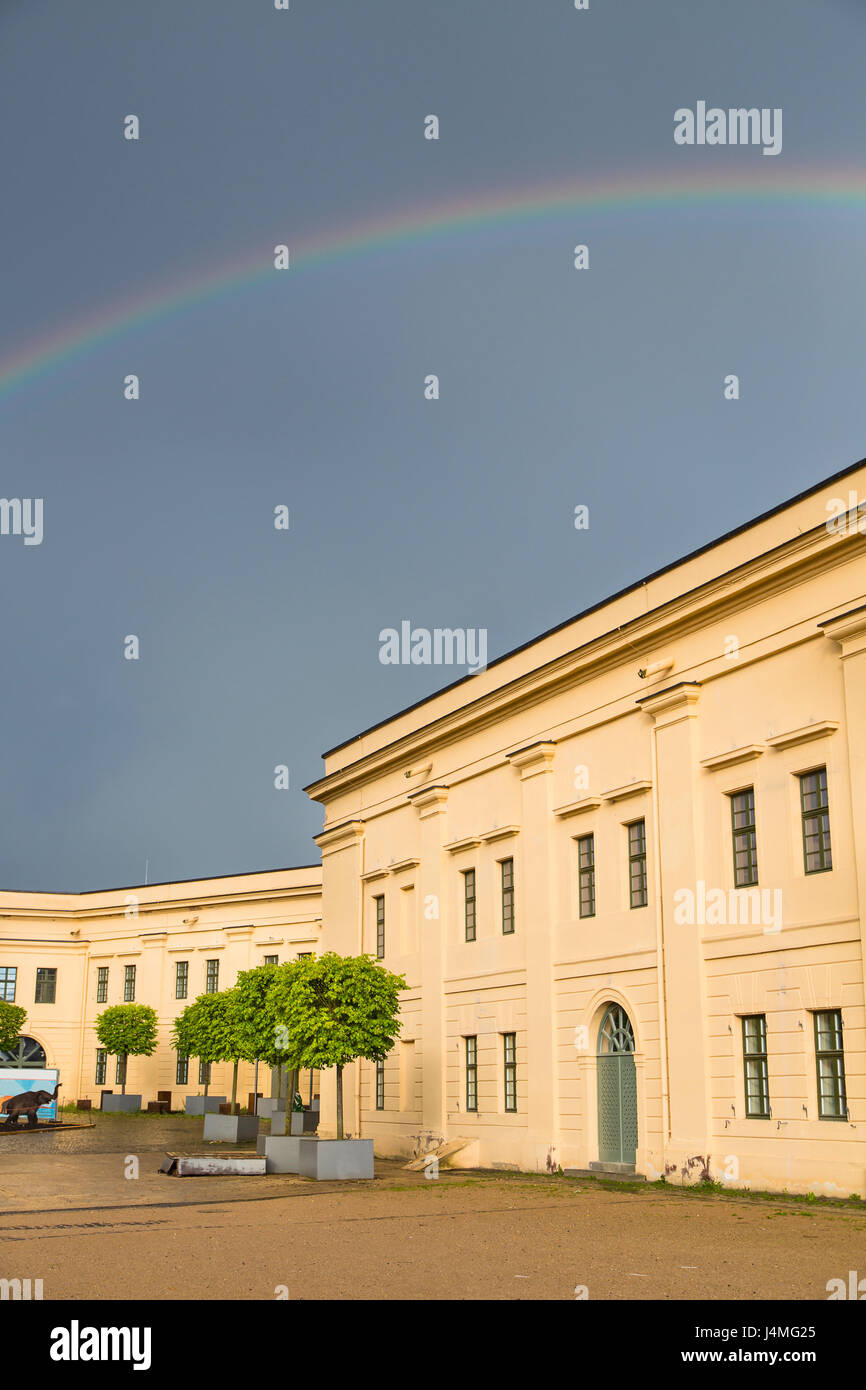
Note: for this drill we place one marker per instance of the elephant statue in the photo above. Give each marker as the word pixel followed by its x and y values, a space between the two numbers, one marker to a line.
pixel 27 1103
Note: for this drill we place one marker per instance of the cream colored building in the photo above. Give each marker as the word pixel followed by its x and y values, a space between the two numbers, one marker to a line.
pixel 65 957
pixel 623 870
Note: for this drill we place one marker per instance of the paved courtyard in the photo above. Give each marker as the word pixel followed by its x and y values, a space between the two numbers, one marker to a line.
pixel 75 1220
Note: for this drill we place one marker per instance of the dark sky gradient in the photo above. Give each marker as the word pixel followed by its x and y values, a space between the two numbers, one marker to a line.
pixel 604 387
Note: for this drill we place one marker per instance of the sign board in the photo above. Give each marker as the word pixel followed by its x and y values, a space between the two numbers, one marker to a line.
pixel 14 1081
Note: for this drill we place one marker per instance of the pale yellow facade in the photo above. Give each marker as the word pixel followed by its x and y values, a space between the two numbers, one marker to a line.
pixel 758 644
pixel 234 921
pixel 753 654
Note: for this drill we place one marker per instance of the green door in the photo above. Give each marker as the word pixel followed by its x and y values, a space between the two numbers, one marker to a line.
pixel 617 1089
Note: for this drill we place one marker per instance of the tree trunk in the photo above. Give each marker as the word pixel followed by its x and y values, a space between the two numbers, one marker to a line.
pixel 339 1102
pixel 123 1073
pixel 234 1086
pixel 293 1086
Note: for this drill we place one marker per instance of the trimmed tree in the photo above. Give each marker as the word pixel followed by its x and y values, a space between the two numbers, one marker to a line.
pixel 337 1009
pixel 261 1024
pixel 209 1029
pixel 12 1020
pixel 127 1030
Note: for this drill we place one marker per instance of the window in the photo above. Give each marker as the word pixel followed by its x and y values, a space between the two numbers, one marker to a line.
pixel 128 984
pixel 744 838
pixel 302 955
pixel 510 1051
pixel 181 1075
pixel 507 867
pixel 8 976
pixel 380 1085
pixel 274 960
pixel 181 979
pixel 120 1073
pixel 830 1060
pixel 471 1073
pixel 204 1073
pixel 816 821
pixel 637 864
pixel 755 1067
pixel 469 903
pixel 586 874
pixel 46 986
pixel 380 927
pixel 212 977
pixel 102 984
pixel 101 1066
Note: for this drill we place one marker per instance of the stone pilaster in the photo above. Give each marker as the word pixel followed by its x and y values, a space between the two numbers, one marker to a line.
pixel 534 920
pixel 849 630
pixel 431 804
pixel 676 841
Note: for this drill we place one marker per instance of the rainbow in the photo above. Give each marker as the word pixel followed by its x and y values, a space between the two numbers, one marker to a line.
pixel 574 199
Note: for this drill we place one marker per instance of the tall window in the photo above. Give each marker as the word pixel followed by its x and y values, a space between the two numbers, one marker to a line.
pixel 586 874
pixel 469 903
pixel 507 868
pixel 637 864
pixel 380 927
pixel 101 1066
pixel 744 838
pixel 212 977
pixel 204 1073
pixel 755 1067
pixel 816 821
pixel 120 1072
pixel 128 984
pixel 273 960
pixel 509 1041
pixel 8 976
pixel 181 979
pixel 471 1073
pixel 181 1074
pixel 46 986
pixel 102 984
pixel 380 1085
pixel 830 1061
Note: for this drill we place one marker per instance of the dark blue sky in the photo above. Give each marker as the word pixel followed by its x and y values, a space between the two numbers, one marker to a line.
pixel 603 387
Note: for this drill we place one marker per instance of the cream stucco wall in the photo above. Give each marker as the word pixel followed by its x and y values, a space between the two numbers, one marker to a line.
pixel 237 920
pixel 766 631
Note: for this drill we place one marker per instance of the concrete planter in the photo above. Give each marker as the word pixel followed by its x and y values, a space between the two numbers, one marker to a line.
pixel 330 1160
pixel 127 1104
pixel 268 1106
pixel 195 1105
pixel 233 1129
pixel 283 1152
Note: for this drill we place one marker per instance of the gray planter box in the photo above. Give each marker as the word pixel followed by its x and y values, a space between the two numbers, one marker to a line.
pixel 128 1104
pixel 333 1159
pixel 194 1105
pixel 268 1106
pixel 283 1152
pixel 231 1128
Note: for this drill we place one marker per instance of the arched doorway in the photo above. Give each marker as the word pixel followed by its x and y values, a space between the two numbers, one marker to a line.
pixel 27 1052
pixel 617 1088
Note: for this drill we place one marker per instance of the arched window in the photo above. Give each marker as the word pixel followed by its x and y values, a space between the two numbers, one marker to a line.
pixel 616 1033
pixel 27 1052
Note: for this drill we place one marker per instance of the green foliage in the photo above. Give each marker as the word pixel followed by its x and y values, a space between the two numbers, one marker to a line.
pixel 262 1024
pixel 12 1020
pixel 127 1030
pixel 337 1008
pixel 209 1029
